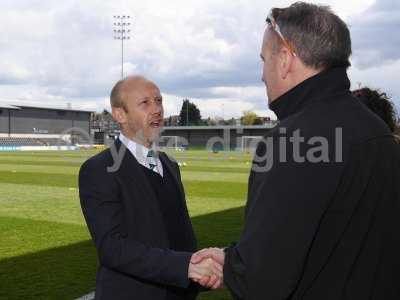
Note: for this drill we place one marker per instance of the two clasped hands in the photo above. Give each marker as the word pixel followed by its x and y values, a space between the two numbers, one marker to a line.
pixel 206 268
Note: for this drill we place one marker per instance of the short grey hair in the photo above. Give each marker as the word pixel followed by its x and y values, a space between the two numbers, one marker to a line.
pixel 116 97
pixel 319 37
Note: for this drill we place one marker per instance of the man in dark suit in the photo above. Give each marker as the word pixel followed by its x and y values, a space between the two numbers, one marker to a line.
pixel 322 216
pixel 133 201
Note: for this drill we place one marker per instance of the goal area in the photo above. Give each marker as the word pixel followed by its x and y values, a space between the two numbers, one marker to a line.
pixel 171 142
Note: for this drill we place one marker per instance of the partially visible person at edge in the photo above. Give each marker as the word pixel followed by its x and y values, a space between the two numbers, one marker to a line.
pixel 322 214
pixel 380 104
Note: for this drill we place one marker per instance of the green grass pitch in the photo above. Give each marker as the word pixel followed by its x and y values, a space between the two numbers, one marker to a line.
pixel 45 248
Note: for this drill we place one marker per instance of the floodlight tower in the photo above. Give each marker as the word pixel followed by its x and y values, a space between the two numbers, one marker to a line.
pixel 122 32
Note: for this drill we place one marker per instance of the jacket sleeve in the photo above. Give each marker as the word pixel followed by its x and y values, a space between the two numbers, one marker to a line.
pixel 103 211
pixel 282 217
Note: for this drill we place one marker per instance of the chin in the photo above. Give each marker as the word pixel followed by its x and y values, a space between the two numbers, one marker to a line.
pixel 269 98
pixel 154 136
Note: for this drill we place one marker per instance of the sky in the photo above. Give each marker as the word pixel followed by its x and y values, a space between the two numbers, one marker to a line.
pixel 60 53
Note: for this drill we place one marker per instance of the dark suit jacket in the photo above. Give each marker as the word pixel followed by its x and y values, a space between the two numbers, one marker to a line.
pixel 127 227
pixel 325 228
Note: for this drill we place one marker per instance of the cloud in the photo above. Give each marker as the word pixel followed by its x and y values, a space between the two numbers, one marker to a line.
pixel 206 50
pixel 383 77
pixel 374 34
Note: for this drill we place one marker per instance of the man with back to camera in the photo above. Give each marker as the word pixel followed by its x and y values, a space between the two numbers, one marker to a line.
pixel 321 219
pixel 133 201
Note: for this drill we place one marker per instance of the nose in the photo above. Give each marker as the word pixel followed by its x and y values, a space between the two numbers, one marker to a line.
pixel 157 107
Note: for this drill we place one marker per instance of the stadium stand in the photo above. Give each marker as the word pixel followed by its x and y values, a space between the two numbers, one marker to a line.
pixel 18 141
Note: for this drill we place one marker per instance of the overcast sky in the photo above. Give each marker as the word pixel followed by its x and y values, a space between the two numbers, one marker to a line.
pixel 58 52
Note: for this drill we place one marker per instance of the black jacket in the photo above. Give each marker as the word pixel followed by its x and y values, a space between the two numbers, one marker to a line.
pixel 126 225
pixel 328 227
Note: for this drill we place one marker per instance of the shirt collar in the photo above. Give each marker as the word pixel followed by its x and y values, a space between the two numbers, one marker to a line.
pixel 139 151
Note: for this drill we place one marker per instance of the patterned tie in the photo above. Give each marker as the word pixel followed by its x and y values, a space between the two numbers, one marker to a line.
pixel 151 160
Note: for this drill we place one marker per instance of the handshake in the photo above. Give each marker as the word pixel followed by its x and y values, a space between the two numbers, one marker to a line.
pixel 206 268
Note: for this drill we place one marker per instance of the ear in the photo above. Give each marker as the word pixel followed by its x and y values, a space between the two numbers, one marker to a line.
pixel 119 115
pixel 285 62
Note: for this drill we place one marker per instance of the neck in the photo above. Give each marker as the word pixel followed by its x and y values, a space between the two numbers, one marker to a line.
pixel 295 79
pixel 134 137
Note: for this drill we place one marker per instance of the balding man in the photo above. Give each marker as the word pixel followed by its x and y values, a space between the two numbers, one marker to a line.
pixel 134 205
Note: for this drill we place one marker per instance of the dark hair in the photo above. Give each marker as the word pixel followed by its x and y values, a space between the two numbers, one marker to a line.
pixel 319 37
pixel 380 104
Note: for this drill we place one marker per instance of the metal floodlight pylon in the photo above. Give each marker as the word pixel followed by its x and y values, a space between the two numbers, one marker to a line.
pixel 122 32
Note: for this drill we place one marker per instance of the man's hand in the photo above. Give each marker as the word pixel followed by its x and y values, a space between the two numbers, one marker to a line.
pixel 217 255
pixel 205 268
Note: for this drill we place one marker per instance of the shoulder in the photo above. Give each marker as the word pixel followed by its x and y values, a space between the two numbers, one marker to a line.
pixel 98 163
pixel 170 160
pixel 343 113
pixel 167 157
pixel 98 159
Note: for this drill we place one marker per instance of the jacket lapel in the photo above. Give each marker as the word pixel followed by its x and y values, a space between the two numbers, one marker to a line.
pixel 166 162
pixel 134 179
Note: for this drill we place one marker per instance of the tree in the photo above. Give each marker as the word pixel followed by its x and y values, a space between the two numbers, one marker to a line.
pixel 250 118
pixel 190 114
pixel 231 122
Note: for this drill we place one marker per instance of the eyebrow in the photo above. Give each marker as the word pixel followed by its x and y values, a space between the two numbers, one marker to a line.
pixel 149 98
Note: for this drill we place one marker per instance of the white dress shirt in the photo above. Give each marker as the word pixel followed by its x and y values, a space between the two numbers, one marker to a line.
pixel 140 153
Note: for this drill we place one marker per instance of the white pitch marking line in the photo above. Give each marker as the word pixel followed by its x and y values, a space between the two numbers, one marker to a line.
pixel 89 296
